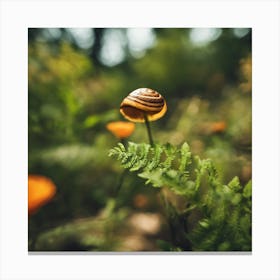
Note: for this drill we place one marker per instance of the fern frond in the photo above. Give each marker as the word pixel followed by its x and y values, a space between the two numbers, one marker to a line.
pixel 225 210
pixel 142 155
pixel 234 184
pixel 185 157
pixel 118 151
pixel 157 151
pixel 170 152
pixel 121 147
pixel 159 165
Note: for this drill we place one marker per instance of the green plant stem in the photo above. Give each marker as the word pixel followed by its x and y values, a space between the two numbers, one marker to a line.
pixel 147 123
pixel 122 176
pixel 120 183
pixel 160 191
pixel 123 141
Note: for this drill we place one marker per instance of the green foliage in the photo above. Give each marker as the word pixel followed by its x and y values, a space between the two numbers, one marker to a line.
pixel 56 93
pixel 226 222
pixel 160 165
pixel 100 233
pixel 224 211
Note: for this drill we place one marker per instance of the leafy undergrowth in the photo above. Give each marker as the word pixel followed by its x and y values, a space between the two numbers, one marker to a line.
pixel 215 217
pixel 118 230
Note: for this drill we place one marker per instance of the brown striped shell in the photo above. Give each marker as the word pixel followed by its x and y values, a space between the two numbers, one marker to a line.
pixel 141 102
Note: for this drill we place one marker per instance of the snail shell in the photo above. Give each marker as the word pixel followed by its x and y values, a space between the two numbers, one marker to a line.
pixel 143 102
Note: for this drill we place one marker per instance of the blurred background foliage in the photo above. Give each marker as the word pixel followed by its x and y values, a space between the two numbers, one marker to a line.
pixel 77 79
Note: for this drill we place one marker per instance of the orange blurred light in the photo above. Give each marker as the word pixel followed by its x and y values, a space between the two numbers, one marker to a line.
pixel 217 127
pixel 121 129
pixel 40 191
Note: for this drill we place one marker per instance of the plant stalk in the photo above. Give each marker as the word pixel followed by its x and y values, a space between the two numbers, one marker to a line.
pixel 122 176
pixel 147 123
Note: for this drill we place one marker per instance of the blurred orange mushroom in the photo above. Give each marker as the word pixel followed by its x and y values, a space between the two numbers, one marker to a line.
pixel 218 127
pixel 215 127
pixel 121 129
pixel 40 191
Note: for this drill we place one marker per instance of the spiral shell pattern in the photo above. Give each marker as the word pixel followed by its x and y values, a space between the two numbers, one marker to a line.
pixel 141 102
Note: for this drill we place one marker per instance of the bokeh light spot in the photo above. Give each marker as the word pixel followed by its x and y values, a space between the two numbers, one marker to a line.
pixel 203 36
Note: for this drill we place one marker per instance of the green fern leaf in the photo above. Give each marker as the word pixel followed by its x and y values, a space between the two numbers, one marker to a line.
pixel 247 191
pixel 142 157
pixel 185 157
pixel 155 157
pixel 154 178
pixel 170 152
pixel 234 184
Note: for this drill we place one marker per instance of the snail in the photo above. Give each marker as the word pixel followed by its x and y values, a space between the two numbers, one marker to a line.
pixel 142 104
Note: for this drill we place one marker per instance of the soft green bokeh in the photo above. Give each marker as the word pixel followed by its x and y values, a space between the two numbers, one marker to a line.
pixel 73 94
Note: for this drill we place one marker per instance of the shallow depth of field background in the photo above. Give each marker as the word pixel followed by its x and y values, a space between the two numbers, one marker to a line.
pixel 77 79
